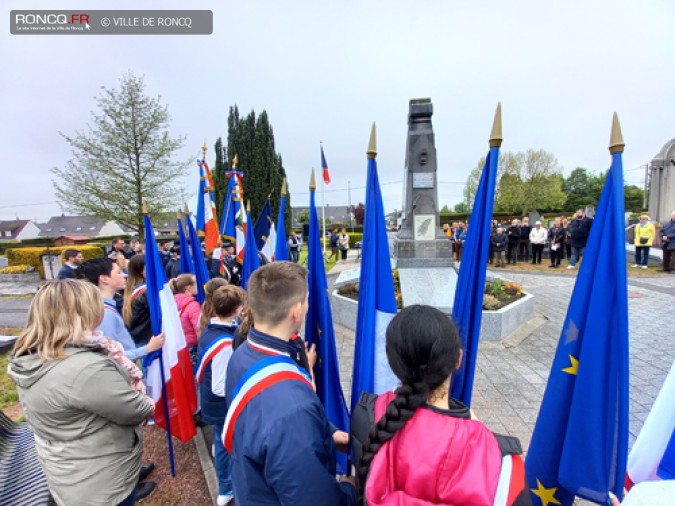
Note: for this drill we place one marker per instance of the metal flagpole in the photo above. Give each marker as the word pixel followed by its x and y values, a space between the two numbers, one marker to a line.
pixel 323 215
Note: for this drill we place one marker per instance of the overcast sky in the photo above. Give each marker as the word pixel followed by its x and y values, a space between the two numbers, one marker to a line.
pixel 325 71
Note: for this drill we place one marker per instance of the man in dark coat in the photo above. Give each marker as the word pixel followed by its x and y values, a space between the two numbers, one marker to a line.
pixel 579 230
pixel 668 240
pixel 71 268
pixel 514 233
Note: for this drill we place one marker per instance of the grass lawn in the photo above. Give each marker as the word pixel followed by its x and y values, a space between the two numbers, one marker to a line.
pixel 303 259
pixel 545 269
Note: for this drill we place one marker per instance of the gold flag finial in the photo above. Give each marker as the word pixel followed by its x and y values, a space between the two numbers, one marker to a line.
pixel 312 181
pixel 616 143
pixel 179 215
pixel 204 149
pixel 145 207
pixel 235 161
pixel 372 145
pixel 496 134
pixel 248 206
pixel 187 210
pixel 283 188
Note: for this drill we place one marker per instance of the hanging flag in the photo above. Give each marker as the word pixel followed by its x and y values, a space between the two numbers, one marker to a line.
pixel 467 309
pixel 580 441
pixel 251 259
pixel 169 371
pixel 187 266
pixel 654 448
pixel 233 227
pixel 281 246
pixel 201 271
pixel 377 299
pixel 324 166
pixel 206 208
pixel 319 331
pixel 270 244
pixel 261 229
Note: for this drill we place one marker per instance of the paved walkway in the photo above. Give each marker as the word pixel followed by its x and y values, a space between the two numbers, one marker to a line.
pixel 510 381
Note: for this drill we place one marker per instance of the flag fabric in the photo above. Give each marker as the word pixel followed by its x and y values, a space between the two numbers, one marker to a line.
pixel 320 332
pixel 228 223
pixel 251 259
pixel 206 208
pixel 467 309
pixel 261 229
pixel 170 382
pixel 281 246
pixel 377 299
pixel 580 440
pixel 187 266
pixel 653 454
pixel 270 244
pixel 324 167
pixel 234 221
pixel 201 271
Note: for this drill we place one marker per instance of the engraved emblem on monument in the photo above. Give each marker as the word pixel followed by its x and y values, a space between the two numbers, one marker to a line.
pixel 424 227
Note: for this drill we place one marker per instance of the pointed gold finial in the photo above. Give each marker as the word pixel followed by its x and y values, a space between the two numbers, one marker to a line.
pixel 179 215
pixel 187 210
pixel 616 143
pixel 235 161
pixel 372 145
pixel 496 135
pixel 312 181
pixel 283 188
pixel 204 149
pixel 248 206
pixel 145 207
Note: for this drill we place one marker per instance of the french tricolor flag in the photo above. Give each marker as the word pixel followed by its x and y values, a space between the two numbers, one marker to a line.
pixel 653 454
pixel 270 244
pixel 170 381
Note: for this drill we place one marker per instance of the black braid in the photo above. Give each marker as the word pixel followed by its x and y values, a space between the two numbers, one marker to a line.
pixel 399 411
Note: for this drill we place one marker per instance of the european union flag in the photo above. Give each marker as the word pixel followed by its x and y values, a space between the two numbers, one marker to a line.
pixel 319 331
pixel 262 225
pixel 580 440
pixel 251 259
pixel 201 271
pixel 187 266
pixel 377 298
pixel 467 309
pixel 281 246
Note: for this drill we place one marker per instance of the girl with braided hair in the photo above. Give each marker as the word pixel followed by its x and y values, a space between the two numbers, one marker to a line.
pixel 420 446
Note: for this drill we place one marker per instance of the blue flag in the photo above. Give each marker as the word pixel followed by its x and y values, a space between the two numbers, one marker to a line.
pixel 281 246
pixel 201 271
pixel 319 331
pixel 187 266
pixel 467 309
pixel 580 441
pixel 377 299
pixel 262 225
pixel 251 259
pixel 200 217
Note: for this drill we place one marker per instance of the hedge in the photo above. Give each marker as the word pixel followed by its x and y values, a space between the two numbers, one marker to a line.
pixel 33 256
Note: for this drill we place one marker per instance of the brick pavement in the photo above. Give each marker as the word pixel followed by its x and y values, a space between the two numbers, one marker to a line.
pixel 510 381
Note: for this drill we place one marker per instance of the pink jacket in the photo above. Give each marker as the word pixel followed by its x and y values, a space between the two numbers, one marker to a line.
pixel 434 459
pixel 189 310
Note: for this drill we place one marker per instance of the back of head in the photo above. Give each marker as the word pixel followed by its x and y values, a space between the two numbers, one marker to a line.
pixel 97 267
pixel 61 312
pixel 274 289
pixel 182 282
pixel 207 307
pixel 135 277
pixel 227 300
pixel 423 349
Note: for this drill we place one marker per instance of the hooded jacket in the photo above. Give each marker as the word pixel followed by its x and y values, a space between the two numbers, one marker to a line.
pixel 86 418
pixel 189 310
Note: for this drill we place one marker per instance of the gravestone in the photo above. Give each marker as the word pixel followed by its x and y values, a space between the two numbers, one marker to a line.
pixel 421 242
pixel 534 217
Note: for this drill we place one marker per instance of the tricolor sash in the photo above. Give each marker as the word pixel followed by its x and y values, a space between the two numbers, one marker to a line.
pixel 138 290
pixel 269 371
pixel 218 354
pixel 111 307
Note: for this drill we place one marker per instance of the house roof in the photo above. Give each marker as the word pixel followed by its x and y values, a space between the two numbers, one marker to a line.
pixel 75 237
pixel 13 226
pixel 68 225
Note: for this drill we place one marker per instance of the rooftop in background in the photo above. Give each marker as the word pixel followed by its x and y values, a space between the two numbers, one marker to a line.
pixel 17 230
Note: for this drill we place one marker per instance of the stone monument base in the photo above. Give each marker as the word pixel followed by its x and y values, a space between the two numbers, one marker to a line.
pixel 433 286
pixel 411 253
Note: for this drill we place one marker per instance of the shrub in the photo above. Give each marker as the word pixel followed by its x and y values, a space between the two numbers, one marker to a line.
pixel 490 302
pixel 33 256
pixel 495 288
pixel 513 288
pixel 17 269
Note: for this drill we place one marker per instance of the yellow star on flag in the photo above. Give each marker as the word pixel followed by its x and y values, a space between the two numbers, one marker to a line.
pixel 574 368
pixel 318 329
pixel 546 495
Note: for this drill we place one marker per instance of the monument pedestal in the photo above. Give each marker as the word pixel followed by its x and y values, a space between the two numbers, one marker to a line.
pixel 422 254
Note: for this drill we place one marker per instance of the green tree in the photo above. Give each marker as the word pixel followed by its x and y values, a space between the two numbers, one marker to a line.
pixel 462 208
pixel 220 181
pixel 530 180
pixel 445 209
pixel 303 217
pixel 124 157
pixel 633 197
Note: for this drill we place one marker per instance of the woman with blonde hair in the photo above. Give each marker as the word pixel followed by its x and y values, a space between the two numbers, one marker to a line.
pixel 645 232
pixel 208 311
pixel 78 402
